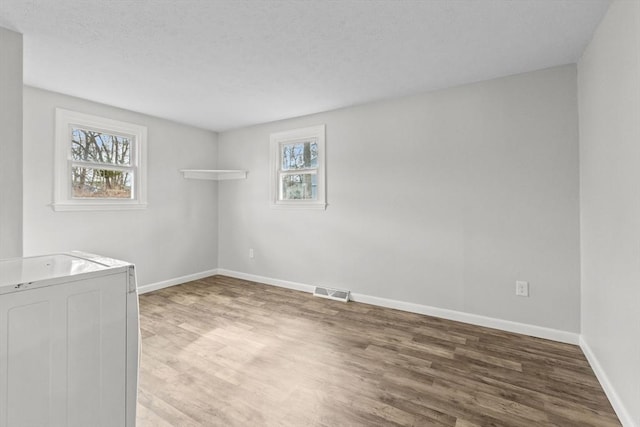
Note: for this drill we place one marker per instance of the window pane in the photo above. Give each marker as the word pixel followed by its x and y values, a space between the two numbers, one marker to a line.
pixel 101 183
pixel 92 146
pixel 299 155
pixel 299 187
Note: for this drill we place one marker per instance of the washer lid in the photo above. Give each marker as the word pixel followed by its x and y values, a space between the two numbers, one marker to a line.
pixel 17 271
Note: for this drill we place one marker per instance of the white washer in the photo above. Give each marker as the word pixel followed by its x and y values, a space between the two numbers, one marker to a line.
pixel 69 341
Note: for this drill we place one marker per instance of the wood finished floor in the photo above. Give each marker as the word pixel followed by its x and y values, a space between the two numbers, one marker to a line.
pixel 227 352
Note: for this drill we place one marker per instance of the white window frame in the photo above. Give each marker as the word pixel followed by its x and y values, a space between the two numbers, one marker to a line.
pixel 63 199
pixel 287 137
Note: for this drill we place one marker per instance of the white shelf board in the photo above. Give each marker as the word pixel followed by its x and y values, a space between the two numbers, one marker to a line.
pixel 213 174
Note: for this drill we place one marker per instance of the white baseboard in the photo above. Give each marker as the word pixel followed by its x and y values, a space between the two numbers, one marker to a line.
pixel 267 280
pixel 609 390
pixel 176 281
pixel 474 319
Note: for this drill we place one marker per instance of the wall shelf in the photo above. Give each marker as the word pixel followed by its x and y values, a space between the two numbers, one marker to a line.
pixel 213 174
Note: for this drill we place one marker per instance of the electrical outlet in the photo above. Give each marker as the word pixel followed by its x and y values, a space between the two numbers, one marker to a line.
pixel 250 252
pixel 522 288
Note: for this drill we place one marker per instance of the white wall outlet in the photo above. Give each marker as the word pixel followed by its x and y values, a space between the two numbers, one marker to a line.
pixel 522 288
pixel 250 252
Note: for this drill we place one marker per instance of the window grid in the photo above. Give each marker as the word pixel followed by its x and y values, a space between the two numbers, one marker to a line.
pixel 100 163
pixel 298 168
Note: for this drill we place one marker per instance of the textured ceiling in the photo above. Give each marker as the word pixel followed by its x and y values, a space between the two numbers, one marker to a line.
pixel 226 64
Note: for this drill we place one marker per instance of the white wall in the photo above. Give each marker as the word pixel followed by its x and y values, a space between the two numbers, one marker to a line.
pixel 10 144
pixel 443 199
pixel 609 105
pixel 175 236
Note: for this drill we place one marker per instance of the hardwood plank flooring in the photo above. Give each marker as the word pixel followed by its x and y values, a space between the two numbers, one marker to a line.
pixel 227 352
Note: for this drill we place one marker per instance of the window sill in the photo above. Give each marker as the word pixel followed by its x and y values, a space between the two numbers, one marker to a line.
pixel 299 205
pixel 65 207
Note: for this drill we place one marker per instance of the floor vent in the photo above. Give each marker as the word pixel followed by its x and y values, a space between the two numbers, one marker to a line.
pixel 336 294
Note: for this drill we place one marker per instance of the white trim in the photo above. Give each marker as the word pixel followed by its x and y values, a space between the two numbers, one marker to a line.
pixel 276 140
pixel 62 198
pixel 623 414
pixel 267 280
pixel 474 319
pixel 61 207
pixel 303 204
pixel 176 281
pixel 459 316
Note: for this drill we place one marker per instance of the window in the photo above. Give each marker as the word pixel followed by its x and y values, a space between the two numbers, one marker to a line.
pixel 99 163
pixel 298 168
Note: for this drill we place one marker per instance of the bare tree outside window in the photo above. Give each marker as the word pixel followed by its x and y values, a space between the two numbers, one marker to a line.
pixel 298 157
pixel 298 168
pixel 101 163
